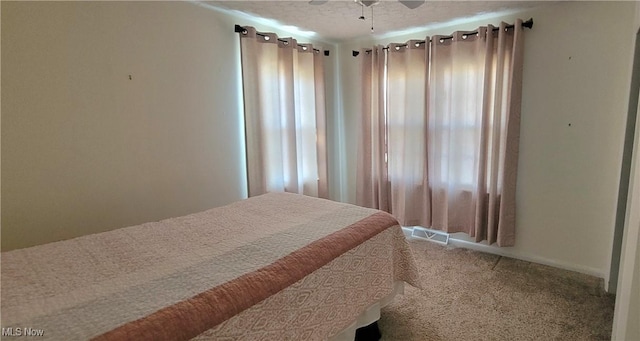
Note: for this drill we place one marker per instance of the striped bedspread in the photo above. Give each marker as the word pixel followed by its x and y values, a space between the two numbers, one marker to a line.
pixel 228 273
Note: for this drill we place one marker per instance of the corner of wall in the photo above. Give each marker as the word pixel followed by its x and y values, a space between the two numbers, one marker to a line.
pixel 627 312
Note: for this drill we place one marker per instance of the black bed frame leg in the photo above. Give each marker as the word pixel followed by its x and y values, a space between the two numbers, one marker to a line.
pixel 368 333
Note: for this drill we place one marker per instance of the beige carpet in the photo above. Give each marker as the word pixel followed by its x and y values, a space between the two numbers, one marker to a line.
pixel 471 295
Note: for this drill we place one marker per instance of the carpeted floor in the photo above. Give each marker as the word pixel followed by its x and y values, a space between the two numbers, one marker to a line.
pixel 471 295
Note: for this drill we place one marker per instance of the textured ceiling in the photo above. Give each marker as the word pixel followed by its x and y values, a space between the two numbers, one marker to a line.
pixel 337 20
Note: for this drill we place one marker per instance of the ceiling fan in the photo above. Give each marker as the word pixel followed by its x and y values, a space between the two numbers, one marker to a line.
pixel 367 3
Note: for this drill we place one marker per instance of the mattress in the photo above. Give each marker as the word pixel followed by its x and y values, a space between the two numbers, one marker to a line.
pixel 278 266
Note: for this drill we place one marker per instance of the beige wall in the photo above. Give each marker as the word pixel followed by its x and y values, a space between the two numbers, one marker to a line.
pixel 85 149
pixel 576 72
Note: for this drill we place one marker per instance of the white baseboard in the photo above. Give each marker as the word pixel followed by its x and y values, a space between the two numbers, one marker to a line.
pixel 456 242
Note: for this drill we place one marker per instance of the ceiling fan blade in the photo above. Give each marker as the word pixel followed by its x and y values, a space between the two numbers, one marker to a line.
pixel 318 2
pixel 412 3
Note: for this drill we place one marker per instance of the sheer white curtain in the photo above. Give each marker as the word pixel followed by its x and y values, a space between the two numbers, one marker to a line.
pixel 283 85
pixel 453 119
pixel 407 75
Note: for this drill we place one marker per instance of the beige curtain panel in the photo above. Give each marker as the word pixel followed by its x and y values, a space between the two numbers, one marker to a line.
pixel 285 120
pixel 452 132
pixel 372 185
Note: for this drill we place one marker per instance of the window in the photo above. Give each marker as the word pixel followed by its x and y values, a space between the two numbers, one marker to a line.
pixel 283 87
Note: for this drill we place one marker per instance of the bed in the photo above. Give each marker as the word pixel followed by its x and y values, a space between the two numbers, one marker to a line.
pixel 278 266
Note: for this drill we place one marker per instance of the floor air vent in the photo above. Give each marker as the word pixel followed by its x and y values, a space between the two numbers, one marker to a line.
pixel 435 236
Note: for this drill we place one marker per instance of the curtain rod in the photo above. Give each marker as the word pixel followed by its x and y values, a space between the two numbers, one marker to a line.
pixel 240 29
pixel 527 24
